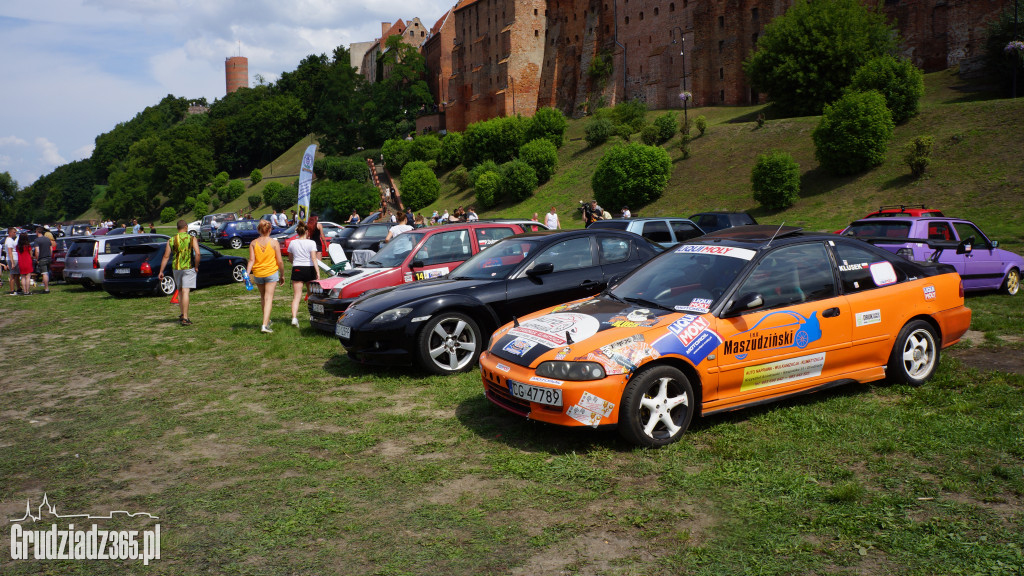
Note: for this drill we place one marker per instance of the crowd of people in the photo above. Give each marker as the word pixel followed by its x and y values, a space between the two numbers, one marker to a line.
pixel 24 256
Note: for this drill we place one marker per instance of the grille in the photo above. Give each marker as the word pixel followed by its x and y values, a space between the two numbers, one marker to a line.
pixel 499 395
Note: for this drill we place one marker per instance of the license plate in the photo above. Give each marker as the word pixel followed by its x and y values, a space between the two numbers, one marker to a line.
pixel 122 271
pixel 549 396
pixel 75 275
pixel 343 331
pixel 60 259
pixel 318 308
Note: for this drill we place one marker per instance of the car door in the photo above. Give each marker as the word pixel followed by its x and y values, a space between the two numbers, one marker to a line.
pixel 211 267
pixel 617 256
pixel 798 337
pixel 574 276
pixel 441 253
pixel 982 267
pixel 657 231
pixel 684 230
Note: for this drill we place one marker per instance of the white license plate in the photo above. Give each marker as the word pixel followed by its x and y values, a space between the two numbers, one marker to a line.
pixel 549 396
pixel 75 275
pixel 318 308
pixel 343 331
pixel 122 271
pixel 60 259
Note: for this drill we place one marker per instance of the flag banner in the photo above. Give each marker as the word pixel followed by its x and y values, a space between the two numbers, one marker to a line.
pixel 306 182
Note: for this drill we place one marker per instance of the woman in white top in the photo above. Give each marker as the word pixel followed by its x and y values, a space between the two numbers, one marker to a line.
pixel 304 254
pixel 396 230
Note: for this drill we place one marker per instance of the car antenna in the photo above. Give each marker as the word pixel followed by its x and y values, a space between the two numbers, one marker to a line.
pixel 515 322
pixel 568 338
pixel 774 235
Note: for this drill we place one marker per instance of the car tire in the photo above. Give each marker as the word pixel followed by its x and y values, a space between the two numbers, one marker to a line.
pixel 236 243
pixel 193 233
pixel 1011 285
pixel 238 273
pixel 657 407
pixel 915 356
pixel 165 287
pixel 450 342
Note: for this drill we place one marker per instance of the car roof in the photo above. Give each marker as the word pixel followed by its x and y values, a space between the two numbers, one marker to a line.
pixel 757 233
pixel 718 212
pixel 908 218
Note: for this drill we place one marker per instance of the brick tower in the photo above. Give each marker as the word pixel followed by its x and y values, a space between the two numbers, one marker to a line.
pixel 236 73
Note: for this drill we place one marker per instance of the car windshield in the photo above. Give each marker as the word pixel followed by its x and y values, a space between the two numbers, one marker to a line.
pixel 395 252
pixel 879 228
pixel 692 277
pixel 497 261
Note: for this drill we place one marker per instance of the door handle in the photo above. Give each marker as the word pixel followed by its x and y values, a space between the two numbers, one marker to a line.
pixel 589 284
pixel 830 313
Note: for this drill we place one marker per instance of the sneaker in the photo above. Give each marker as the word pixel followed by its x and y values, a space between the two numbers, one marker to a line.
pixel 46 291
pixel 295 322
pixel 266 330
pixel 186 322
pixel 14 293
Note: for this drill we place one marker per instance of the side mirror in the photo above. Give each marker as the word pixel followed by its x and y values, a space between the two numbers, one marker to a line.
pixel 541 269
pixel 417 264
pixel 995 243
pixel 965 246
pixel 745 302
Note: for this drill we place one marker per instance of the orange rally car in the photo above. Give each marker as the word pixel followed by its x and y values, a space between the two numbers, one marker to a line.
pixel 732 319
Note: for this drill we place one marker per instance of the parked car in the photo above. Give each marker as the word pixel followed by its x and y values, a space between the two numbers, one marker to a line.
pixel 77 229
pixel 59 256
pixel 900 210
pixel 979 260
pixel 331 230
pixel 415 255
pixel 211 222
pixel 362 236
pixel 664 231
pixel 713 221
pixel 442 324
pixel 730 320
pixel 194 226
pixel 137 269
pixel 88 255
pixel 238 233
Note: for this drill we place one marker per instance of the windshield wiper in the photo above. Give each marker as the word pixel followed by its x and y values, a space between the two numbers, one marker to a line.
pixel 645 302
pixel 377 262
pixel 611 295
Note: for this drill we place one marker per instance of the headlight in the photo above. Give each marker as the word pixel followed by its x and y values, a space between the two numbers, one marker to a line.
pixel 336 293
pixel 391 315
pixel 571 370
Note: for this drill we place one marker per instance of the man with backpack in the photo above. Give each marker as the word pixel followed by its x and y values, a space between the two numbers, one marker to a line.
pixel 185 249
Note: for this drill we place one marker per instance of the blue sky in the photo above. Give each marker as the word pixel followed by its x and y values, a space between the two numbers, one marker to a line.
pixel 72 69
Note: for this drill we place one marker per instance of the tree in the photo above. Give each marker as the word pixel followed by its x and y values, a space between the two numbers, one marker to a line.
pixel 598 130
pixel 899 81
pixel 518 180
pixel 348 169
pixel 808 55
pixel 279 196
pixel 776 180
pixel 400 93
pixel 542 155
pixel 396 153
pixel 1000 60
pixel 341 197
pixel 853 133
pixel 631 175
pixel 666 126
pixel 420 186
pixel 487 188
pixel 548 123
pixel 8 192
pixel 111 147
pixel 255 177
pixel 918 154
pixel 338 116
pixel 451 150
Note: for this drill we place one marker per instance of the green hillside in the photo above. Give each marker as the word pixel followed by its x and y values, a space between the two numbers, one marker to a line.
pixel 976 168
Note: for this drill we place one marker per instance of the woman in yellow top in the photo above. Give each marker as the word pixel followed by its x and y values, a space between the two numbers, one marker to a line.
pixel 266 267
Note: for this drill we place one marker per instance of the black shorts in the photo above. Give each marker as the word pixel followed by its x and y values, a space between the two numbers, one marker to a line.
pixel 303 273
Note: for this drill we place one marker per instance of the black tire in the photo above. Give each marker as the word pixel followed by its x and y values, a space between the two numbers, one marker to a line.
pixel 165 287
pixel 449 343
pixel 236 243
pixel 915 355
pixel 193 233
pixel 651 397
pixel 1011 285
pixel 238 273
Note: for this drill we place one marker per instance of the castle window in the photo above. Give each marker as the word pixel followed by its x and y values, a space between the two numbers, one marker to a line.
pixel 641 16
pixel 606 28
pixel 534 11
pixel 655 10
pixel 753 38
pixel 577 37
pixel 721 46
pixel 536 33
pixel 721 73
pixel 686 3
pixel 721 95
pixel 627 19
pixel 721 21
pixel 753 14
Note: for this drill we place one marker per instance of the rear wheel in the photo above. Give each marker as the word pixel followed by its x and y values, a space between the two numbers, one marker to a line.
pixel 449 343
pixel 657 407
pixel 193 233
pixel 238 273
pixel 166 286
pixel 236 243
pixel 915 355
pixel 1012 283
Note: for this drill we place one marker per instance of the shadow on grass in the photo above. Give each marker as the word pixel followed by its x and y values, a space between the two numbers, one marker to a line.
pixel 901 181
pixel 817 181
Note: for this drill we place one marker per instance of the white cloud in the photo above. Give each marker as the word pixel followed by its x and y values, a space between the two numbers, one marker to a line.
pixel 12 141
pixel 49 152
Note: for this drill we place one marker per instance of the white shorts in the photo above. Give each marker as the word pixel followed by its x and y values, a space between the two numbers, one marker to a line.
pixel 185 278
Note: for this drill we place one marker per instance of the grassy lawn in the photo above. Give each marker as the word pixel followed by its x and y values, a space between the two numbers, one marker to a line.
pixel 273 454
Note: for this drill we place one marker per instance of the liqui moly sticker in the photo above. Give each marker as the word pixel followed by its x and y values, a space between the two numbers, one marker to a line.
pixel 698 305
pixel 689 327
pixel 929 293
pixel 741 253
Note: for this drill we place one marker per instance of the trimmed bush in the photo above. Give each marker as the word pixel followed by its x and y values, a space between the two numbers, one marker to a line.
pixel 340 169
pixel 776 180
pixel 204 197
pixel 623 131
pixel 542 155
pixel 547 123
pixel 190 203
pixel 649 135
pixel 451 150
pixel 200 209
pixel 419 187
pixel 598 130
pixel 630 113
pixel 479 169
pixel 496 139
pixel 665 126
pixel 488 187
pixel 343 196
pixel 396 154
pixel 632 175
pixel 853 133
pixel 255 177
pixel 460 177
pixel 518 180
pixel 701 124
pixel 232 191
pixel 425 148
pixel 918 155
pixel 220 180
pixel 168 214
pixel 278 196
pixel 320 166
pixel 255 200
pixel 899 81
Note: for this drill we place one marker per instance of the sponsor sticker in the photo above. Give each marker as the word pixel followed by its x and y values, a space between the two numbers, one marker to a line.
pixel 569 306
pixel 688 328
pixel 407 277
pixel 741 253
pixel 610 366
pixel 562 353
pixel 698 305
pixel 867 318
pixel 929 293
pixel 689 336
pixel 638 315
pixel 544 380
pixel 519 346
pixel 583 416
pixel 782 329
pixel 434 273
pixel 782 372
pixel 883 273
pixel 502 367
pixel 550 330
pixel 596 404
pixel 852 267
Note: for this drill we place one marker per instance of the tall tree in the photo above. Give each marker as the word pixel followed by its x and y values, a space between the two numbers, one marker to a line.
pixel 113 146
pixel 338 115
pixel 400 94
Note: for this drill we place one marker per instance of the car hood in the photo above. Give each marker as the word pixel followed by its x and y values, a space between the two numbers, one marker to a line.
pixel 350 277
pixel 615 334
pixel 386 298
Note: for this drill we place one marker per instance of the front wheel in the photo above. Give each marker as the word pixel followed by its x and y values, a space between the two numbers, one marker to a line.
pixel 236 243
pixel 238 273
pixel 1012 283
pixel 449 343
pixel 193 233
pixel 915 355
pixel 657 407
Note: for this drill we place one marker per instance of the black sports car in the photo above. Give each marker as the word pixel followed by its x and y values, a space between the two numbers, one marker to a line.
pixel 137 269
pixel 441 324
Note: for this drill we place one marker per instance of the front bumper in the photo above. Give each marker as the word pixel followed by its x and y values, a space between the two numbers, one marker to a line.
pixel 390 344
pixel 332 309
pixel 587 403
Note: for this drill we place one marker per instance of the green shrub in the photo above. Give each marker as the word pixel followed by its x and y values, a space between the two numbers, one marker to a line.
pixel 598 130
pixel 340 169
pixel 425 148
pixel 255 177
pixel 220 180
pixel 776 180
pixel 204 197
pixel 451 150
pixel 279 196
pixel 918 155
pixel 547 123
pixel 496 139
pixel 518 180
pixel 701 124
pixel 630 113
pixel 414 165
pixel 232 191
pixel 542 155
pixel 899 81
pixel 486 166
pixel 684 144
pixel 460 177
pixel 623 131
pixel 396 154
pixel 200 209
pixel 853 133
pixel 632 175
pixel 255 200
pixel 649 135
pixel 320 166
pixel 665 126
pixel 488 187
pixel 419 187
pixel 343 196
pixel 190 203
pixel 168 214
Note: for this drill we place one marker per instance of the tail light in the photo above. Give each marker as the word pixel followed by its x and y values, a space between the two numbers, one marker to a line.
pixel 95 258
pixel 146 269
pixel 961 288
pixel 224 234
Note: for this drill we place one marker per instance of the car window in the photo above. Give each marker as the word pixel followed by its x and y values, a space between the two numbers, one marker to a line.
pixel 487 236
pixel 684 230
pixel 656 232
pixel 791 275
pixel 445 247
pixel 376 231
pixel 612 249
pixel 879 228
pixel 113 246
pixel 497 261
pixel 571 254
pixel 856 264
pixel 614 224
pixel 965 230
pixel 205 253
pixel 81 249
pixel 939 231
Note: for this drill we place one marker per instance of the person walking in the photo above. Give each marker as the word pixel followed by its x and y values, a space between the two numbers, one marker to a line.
pixel 551 220
pixel 11 251
pixel 42 250
pixel 266 267
pixel 398 229
pixel 185 266
pixel 304 254
pixel 25 262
